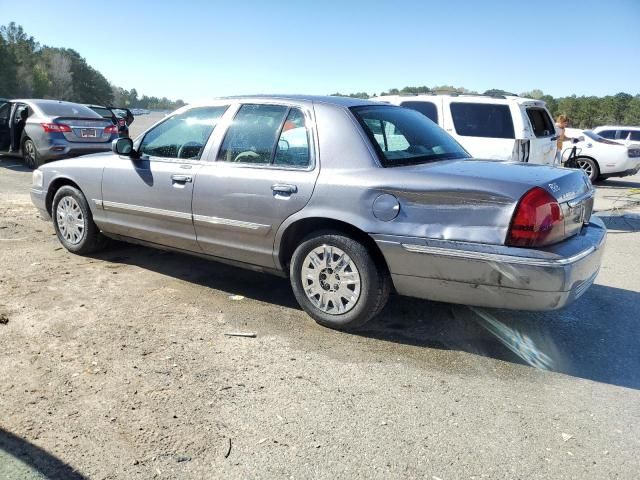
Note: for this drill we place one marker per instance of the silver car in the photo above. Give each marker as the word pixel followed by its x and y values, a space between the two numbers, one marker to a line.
pixel 348 198
pixel 44 130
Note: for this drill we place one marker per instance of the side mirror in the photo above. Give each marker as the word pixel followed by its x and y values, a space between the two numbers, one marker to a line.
pixel 122 146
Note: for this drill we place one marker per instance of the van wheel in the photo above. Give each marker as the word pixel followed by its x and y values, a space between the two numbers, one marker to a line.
pixel 589 166
pixel 73 222
pixel 30 154
pixel 337 282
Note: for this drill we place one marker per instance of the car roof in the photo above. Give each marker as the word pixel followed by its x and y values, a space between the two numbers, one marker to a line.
pixel 327 99
pixel 617 127
pixel 471 98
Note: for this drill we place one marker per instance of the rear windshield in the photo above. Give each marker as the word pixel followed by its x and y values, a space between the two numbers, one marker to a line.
pixel 428 109
pixel 541 122
pixel 482 120
pixel 103 112
pixel 405 137
pixel 66 110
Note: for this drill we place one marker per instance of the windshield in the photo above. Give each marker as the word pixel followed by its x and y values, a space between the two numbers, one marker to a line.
pixel 405 137
pixel 59 109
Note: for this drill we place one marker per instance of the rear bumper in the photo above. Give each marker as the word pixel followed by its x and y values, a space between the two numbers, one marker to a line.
pixel 68 150
pixel 495 276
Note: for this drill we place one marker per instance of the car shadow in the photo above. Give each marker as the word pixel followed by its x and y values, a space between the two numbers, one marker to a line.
pixel 617 183
pixel 595 338
pixel 13 163
pixel 24 453
pixel 621 222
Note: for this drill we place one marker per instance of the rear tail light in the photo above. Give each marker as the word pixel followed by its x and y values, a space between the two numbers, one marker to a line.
pixel 537 220
pixel 55 127
pixel 111 129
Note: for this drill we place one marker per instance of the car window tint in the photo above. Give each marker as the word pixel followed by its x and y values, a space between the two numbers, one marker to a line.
pixel 635 135
pixel 252 136
pixel 5 110
pixel 624 134
pixel 482 120
pixel 610 134
pixel 58 109
pixel 103 112
pixel 403 136
pixel 541 122
pixel 428 109
pixel 183 135
pixel 293 144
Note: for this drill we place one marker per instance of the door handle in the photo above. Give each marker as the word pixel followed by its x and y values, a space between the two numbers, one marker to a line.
pixel 182 178
pixel 284 188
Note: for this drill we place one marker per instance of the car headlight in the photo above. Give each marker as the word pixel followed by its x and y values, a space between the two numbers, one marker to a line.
pixel 36 178
pixel 634 153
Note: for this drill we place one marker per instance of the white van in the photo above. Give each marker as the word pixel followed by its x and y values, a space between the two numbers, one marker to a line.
pixel 491 127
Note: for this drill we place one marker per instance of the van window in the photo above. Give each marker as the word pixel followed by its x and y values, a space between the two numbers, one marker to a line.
pixel 482 120
pixel 541 122
pixel 635 135
pixel 428 109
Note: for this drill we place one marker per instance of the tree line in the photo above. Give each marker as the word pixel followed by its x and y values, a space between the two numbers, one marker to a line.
pixel 31 70
pixel 584 111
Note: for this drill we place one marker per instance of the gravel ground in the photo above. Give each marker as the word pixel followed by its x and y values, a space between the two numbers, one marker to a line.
pixel 117 366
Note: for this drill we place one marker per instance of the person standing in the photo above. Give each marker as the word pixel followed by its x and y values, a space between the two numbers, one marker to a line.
pixel 561 124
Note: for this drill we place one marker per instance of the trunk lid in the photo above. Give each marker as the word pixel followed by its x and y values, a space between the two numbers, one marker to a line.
pixel 86 130
pixel 491 191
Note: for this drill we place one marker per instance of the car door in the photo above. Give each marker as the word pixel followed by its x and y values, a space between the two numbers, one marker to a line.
pixel 543 142
pixel 264 171
pixel 149 198
pixel 5 127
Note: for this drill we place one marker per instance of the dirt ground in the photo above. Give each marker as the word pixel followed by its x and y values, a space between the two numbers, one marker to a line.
pixel 117 366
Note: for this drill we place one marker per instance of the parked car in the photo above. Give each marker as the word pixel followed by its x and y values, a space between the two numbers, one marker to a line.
pixel 43 130
pixel 599 157
pixel 492 127
pixel 347 197
pixel 120 117
pixel 627 135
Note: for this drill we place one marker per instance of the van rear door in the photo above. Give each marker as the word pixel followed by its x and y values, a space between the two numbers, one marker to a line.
pixel 543 135
pixel 485 129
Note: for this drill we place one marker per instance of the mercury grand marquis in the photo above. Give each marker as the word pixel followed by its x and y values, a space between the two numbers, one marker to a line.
pixel 350 199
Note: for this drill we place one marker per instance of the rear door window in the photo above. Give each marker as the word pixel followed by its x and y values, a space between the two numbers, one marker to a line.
pixel 293 145
pixel 482 120
pixel 428 109
pixel 610 134
pixel 541 122
pixel 184 135
pixel 252 136
pixel 623 134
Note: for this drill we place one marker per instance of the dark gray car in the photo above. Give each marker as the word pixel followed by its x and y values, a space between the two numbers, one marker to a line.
pixel 351 199
pixel 44 130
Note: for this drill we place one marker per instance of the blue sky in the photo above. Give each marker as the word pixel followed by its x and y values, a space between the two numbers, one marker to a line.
pixel 201 49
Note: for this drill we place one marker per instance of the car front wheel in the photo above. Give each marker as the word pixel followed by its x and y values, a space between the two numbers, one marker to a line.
pixel 337 282
pixel 73 222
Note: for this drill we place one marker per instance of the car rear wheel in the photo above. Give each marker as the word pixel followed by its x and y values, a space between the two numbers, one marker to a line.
pixel 30 154
pixel 589 166
pixel 73 222
pixel 337 282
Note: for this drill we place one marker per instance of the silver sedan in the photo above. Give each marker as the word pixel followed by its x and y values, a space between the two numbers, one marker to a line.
pixel 348 198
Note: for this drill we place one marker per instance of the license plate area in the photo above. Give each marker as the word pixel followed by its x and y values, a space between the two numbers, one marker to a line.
pixel 88 133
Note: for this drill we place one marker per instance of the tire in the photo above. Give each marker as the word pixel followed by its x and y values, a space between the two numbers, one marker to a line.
pixel 590 167
pixel 340 303
pixel 73 222
pixel 30 154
